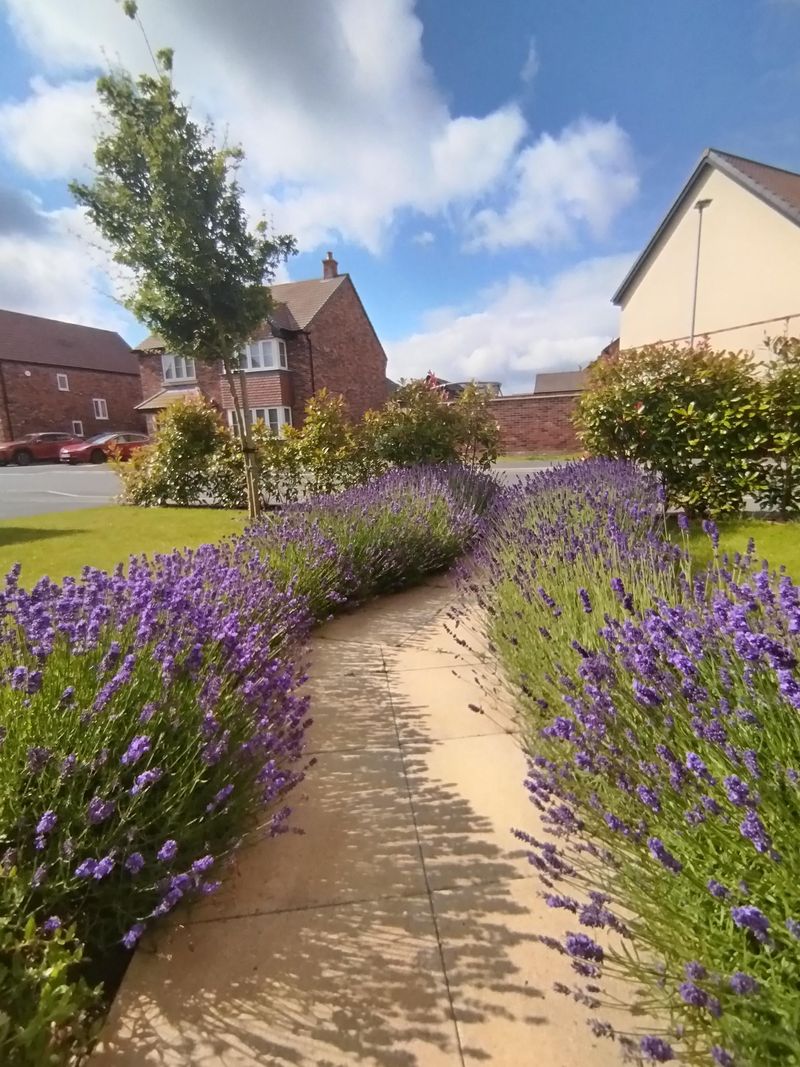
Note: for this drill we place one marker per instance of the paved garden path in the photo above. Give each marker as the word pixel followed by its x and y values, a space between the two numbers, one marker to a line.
pixel 397 930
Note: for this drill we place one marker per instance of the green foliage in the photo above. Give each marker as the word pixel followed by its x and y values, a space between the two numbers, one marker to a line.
pixel 195 459
pixel 693 415
pixel 780 472
pixel 175 469
pixel 45 1007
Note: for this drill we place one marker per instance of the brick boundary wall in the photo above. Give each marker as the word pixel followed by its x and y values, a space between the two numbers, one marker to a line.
pixel 536 423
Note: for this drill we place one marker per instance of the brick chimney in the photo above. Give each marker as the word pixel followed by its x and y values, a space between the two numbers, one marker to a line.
pixel 330 268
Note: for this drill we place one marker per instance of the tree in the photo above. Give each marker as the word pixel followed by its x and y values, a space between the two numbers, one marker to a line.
pixel 167 200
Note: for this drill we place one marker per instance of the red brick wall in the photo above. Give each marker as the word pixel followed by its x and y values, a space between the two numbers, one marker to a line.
pixel 265 389
pixel 36 403
pixel 348 357
pixel 536 423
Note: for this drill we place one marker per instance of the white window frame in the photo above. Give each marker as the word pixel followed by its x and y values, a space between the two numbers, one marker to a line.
pixel 62 381
pixel 275 418
pixel 77 428
pixel 100 408
pixel 177 368
pixel 269 354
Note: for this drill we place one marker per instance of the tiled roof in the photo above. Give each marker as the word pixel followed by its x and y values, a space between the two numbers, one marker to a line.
pixel 31 339
pixel 296 304
pixel 164 397
pixel 778 188
pixel 563 381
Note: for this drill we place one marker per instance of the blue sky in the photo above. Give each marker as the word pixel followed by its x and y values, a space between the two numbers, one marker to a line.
pixel 485 172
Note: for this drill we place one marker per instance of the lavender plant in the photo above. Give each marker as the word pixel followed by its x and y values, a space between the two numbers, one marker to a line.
pixel 150 719
pixel 662 709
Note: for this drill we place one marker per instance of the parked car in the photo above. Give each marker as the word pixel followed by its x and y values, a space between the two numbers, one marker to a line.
pixel 36 446
pixel 97 449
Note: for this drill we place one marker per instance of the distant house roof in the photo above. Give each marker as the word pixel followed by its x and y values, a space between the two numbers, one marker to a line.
pixel 778 188
pixel 31 339
pixel 296 304
pixel 391 387
pixel 563 381
pixel 164 397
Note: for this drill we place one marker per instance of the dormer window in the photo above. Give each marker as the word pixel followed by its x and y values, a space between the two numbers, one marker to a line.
pixel 264 355
pixel 177 368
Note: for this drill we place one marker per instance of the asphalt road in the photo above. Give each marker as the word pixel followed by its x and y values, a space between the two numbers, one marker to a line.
pixel 47 487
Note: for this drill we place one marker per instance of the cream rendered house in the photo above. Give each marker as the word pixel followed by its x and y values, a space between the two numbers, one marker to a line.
pixel 724 264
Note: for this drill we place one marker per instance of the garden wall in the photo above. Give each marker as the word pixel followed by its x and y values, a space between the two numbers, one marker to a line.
pixel 540 423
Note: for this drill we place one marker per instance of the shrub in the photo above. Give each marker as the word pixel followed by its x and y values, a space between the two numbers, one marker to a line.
pixel 693 415
pixel 174 470
pixel 662 724
pixel 780 471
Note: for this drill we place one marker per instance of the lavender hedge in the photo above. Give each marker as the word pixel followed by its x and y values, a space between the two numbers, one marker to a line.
pixel 664 734
pixel 150 719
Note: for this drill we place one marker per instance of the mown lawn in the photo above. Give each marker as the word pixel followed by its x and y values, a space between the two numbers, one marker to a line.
pixel 62 544
pixel 777 542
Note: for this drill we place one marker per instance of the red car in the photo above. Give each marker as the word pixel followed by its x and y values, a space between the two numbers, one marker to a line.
pixel 32 446
pixel 97 449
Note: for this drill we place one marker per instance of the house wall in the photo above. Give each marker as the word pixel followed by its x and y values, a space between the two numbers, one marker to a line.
pixel 35 403
pixel 749 278
pixel 348 357
pixel 265 389
pixel 531 423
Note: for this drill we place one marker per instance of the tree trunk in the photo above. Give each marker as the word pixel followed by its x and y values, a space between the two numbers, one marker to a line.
pixel 245 439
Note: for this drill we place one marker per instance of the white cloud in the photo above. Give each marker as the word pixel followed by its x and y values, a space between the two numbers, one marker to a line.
pixel 58 267
pixel 530 67
pixel 51 132
pixel 562 186
pixel 343 123
pixel 520 327
pixel 424 237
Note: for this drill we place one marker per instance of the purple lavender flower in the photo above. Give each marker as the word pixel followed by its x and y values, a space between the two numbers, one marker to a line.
pixel 145 780
pixel 207 888
pixel 86 869
pixel 47 822
pixel 202 865
pixel 698 767
pixel 586 600
pixel 168 851
pixel 692 994
pixel 721 1057
pixel 737 790
pixel 752 828
pixel 716 889
pixel 39 875
pixel 130 939
pixel 749 917
pixel 649 797
pixel 103 868
pixel 656 1049
pixel 38 758
pixel 694 970
pixel 742 984
pixel 660 852
pixel 138 747
pixel 134 863
pixel 711 531
pixel 793 926
pixel 99 810
pixel 683 522
pixel 49 926
pixel 581 946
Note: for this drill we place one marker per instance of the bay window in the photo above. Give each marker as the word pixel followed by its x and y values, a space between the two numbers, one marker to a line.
pixel 264 355
pixel 274 418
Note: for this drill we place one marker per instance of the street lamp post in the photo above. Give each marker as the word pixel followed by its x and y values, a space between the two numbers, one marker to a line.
pixel 700 207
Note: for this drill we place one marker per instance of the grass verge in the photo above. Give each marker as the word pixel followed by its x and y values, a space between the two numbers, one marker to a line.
pixel 777 542
pixel 62 543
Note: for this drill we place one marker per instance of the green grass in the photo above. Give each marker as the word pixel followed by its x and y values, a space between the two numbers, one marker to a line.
pixel 543 456
pixel 777 542
pixel 63 543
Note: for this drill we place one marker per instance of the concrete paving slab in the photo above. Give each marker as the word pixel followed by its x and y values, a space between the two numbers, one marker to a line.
pixel 435 703
pixel 390 620
pixel 358 843
pixel 359 984
pixel 468 795
pixel 501 980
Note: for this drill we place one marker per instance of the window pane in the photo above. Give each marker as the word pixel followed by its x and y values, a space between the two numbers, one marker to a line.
pixel 168 366
pixel 282 352
pixel 255 356
pixel 274 424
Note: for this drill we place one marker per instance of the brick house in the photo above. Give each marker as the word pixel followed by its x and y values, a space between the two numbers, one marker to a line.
pixel 59 376
pixel 319 336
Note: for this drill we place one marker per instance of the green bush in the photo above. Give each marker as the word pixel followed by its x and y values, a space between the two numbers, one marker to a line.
pixel 695 416
pixel 780 470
